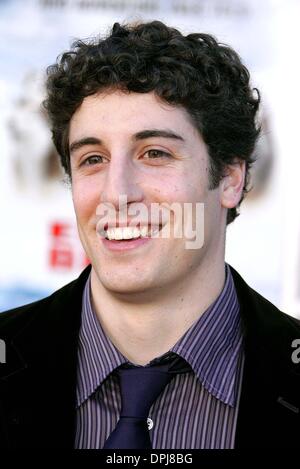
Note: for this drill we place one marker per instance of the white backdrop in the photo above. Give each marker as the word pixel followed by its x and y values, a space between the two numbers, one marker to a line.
pixel 39 248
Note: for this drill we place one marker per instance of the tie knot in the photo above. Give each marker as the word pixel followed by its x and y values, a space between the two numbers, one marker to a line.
pixel 140 387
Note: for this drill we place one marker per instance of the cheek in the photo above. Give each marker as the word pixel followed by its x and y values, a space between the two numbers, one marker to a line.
pixel 85 199
pixel 189 186
pixel 171 187
pixel 186 192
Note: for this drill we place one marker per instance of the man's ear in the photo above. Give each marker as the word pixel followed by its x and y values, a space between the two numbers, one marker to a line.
pixel 232 184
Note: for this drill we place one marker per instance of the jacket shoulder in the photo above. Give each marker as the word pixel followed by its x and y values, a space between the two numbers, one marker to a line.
pixel 13 320
pixel 273 315
pixel 264 325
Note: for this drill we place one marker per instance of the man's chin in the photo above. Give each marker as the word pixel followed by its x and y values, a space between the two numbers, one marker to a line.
pixel 133 281
pixel 126 287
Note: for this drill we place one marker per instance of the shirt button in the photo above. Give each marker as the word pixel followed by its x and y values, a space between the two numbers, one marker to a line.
pixel 149 423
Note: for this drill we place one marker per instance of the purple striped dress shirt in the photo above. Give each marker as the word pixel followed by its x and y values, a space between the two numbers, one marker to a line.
pixel 197 409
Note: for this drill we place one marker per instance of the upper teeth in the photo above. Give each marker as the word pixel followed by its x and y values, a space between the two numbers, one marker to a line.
pixel 128 232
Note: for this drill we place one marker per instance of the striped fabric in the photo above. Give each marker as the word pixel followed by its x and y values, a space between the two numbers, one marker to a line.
pixel 196 410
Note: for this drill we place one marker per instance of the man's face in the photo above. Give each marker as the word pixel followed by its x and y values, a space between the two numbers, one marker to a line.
pixel 133 144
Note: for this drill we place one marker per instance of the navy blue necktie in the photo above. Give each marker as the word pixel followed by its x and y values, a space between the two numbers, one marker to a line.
pixel 140 387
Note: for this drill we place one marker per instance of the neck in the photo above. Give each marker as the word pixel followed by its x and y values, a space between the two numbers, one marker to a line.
pixel 143 328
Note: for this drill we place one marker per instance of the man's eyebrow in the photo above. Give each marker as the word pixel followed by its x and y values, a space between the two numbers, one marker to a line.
pixel 143 134
pixel 84 141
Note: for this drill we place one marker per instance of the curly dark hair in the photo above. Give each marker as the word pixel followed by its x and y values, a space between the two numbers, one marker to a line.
pixel 207 78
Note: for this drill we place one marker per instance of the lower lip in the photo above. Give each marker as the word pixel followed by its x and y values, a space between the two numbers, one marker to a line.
pixel 115 245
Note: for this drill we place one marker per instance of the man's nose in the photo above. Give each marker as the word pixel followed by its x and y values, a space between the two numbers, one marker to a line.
pixel 121 179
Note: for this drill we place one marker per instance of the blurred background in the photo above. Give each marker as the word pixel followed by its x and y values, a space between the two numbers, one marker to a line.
pixel 39 246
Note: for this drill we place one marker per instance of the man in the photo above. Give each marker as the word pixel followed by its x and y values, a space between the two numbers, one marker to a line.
pixel 149 118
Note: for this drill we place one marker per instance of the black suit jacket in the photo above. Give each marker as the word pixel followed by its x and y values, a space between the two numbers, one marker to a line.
pixel 38 381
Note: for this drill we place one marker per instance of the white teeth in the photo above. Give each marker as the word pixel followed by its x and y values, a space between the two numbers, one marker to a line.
pixel 144 231
pixel 118 233
pixel 127 233
pixel 130 232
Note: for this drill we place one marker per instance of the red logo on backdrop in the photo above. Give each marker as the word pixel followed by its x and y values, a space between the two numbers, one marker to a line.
pixel 65 249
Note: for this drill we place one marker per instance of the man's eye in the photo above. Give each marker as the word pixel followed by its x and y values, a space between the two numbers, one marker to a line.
pixel 92 160
pixel 154 154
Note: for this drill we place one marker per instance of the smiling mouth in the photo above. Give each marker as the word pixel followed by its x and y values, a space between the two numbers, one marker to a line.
pixel 128 233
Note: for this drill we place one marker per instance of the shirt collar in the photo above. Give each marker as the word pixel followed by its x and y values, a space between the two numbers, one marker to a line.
pixel 211 346
pixel 97 355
